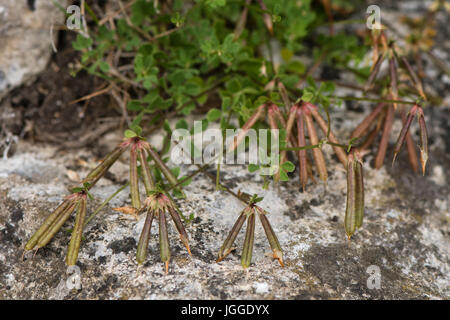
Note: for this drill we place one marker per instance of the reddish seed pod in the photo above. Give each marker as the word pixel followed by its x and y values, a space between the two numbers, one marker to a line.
pixel 249 124
pixel 405 129
pixel 379 159
pixel 271 236
pixel 227 245
pixel 317 152
pixel 354 212
pixel 423 140
pixel 302 152
pixel 374 73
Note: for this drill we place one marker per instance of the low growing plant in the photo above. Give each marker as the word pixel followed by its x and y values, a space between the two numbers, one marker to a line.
pixel 235 63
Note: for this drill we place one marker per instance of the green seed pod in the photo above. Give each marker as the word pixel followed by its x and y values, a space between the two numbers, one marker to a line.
pixel 142 248
pixel 149 184
pixel 164 239
pixel 350 217
pixel 49 221
pixel 271 236
pixel 247 251
pixel 77 232
pixel 179 225
pixel 359 193
pixel 226 247
pixel 134 182
pixel 104 166
pixel 58 223
pixel 162 166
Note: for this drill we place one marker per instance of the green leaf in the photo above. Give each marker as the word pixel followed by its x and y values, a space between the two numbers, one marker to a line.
pixel 181 124
pixel 283 176
pixel 175 171
pixel 185 183
pixel 104 66
pixel 288 166
pixel 253 167
pixel 213 115
pixel 81 42
pixel 129 134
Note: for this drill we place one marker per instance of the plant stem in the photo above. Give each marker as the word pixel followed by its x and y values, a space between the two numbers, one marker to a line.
pixel 374 100
pixel 105 203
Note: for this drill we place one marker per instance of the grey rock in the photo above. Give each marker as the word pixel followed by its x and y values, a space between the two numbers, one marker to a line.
pixel 25 39
pixel 405 234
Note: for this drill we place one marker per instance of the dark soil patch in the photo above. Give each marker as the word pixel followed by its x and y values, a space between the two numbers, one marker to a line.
pixel 45 108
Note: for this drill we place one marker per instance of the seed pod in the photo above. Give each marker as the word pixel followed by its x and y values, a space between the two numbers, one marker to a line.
pixel 290 125
pixel 162 166
pixel 317 152
pixel 374 73
pixel 354 212
pixel 142 248
pixel 403 133
pixel 364 125
pixel 164 240
pixel 134 182
pixel 340 153
pixel 249 124
pixel 423 140
pixel 247 251
pixel 373 134
pixel 75 240
pixel 272 113
pixel 284 95
pixel 242 21
pixel 104 166
pixel 271 236
pixel 379 159
pixel 58 223
pixel 414 78
pixel 267 18
pixel 49 221
pixel 149 184
pixel 394 80
pixel 227 245
pixel 179 225
pixel 350 212
pixel 410 145
pixel 303 168
pixel 359 192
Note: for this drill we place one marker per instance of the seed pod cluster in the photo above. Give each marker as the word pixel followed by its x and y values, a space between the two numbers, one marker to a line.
pixel 301 118
pixel 77 202
pixel 158 205
pixel 249 215
pixel 404 134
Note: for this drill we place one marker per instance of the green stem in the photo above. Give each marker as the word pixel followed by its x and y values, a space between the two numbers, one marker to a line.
pixel 105 203
pixel 374 100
